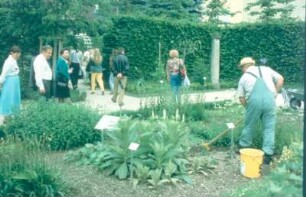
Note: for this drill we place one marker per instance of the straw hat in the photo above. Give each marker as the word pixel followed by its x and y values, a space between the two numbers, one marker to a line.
pixel 246 60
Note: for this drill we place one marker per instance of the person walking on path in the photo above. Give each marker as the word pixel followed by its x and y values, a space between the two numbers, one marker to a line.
pixel 43 72
pixel 174 65
pixel 62 76
pixel 120 71
pixel 96 71
pixel 257 90
pixel 10 98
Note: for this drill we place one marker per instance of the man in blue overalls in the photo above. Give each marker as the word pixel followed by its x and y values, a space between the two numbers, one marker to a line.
pixel 257 90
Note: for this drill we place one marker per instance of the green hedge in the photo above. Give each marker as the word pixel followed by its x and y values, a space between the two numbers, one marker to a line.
pixel 281 42
pixel 141 38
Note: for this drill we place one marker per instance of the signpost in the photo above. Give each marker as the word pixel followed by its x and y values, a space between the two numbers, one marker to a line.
pixel 132 147
pixel 107 123
pixel 231 126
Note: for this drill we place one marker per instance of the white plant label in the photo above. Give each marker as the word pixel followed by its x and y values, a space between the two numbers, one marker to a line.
pixel 107 122
pixel 230 125
pixel 133 146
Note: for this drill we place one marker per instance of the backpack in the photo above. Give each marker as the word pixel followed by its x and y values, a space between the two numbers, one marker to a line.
pixel 182 72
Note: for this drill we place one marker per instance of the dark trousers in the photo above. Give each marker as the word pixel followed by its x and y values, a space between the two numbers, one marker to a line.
pixel 48 89
pixel 74 76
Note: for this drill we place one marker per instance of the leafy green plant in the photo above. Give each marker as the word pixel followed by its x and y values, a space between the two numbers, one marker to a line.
pixel 203 165
pixel 170 170
pixel 142 173
pixel 161 147
pixel 55 126
pixel 155 179
pixel 24 172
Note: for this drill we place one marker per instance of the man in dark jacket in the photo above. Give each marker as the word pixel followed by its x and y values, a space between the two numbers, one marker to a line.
pixel 120 71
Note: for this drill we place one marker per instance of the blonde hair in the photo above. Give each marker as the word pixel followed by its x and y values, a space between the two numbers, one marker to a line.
pixel 174 53
pixel 97 57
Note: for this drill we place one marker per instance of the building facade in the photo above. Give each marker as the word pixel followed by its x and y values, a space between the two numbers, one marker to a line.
pixel 238 7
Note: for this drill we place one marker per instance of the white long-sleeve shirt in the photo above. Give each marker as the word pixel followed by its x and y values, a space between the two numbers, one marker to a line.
pixel 10 68
pixel 42 70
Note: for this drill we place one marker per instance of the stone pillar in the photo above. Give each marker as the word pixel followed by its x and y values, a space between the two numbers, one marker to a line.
pixel 215 62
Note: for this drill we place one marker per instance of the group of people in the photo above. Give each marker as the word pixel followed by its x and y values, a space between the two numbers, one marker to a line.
pixel 69 68
pixel 118 67
pixel 257 88
pixel 67 71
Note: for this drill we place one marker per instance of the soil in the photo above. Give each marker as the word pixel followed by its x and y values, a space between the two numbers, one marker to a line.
pixel 86 181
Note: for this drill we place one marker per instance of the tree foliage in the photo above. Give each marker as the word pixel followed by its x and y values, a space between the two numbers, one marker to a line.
pixel 22 22
pixel 215 9
pixel 175 9
pixel 270 9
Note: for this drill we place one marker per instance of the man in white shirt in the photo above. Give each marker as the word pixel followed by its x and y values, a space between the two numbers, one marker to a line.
pixel 43 72
pixel 257 90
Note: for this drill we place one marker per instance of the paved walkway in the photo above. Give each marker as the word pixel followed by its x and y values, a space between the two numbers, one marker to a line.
pixel 104 103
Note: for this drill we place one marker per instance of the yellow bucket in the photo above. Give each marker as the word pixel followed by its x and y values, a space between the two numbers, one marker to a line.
pixel 250 161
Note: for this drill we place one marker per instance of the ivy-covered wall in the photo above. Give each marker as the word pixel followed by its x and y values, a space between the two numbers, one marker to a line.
pixel 148 41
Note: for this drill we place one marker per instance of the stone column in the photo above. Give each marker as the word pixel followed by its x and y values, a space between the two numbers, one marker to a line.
pixel 215 62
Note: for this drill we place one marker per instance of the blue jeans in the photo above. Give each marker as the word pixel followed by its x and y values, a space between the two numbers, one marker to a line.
pixel 175 83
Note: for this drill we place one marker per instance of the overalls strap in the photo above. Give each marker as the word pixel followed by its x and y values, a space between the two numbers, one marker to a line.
pixel 254 74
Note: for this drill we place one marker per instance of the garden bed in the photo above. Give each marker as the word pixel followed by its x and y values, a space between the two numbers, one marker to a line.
pixel 88 182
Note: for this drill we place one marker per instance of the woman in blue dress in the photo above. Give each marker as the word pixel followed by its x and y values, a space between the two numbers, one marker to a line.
pixel 10 98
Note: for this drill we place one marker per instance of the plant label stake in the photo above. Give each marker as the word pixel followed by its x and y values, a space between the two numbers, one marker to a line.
pixel 132 147
pixel 107 123
pixel 231 126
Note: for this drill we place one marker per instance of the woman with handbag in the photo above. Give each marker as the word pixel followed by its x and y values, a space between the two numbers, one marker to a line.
pixel 62 76
pixel 175 73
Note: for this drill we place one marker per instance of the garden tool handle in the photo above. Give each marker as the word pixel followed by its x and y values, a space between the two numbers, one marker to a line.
pixel 207 145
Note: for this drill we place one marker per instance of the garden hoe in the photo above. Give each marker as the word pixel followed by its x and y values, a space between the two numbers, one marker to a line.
pixel 207 145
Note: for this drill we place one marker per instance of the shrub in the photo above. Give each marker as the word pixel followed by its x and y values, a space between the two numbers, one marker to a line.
pixel 57 126
pixel 23 172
